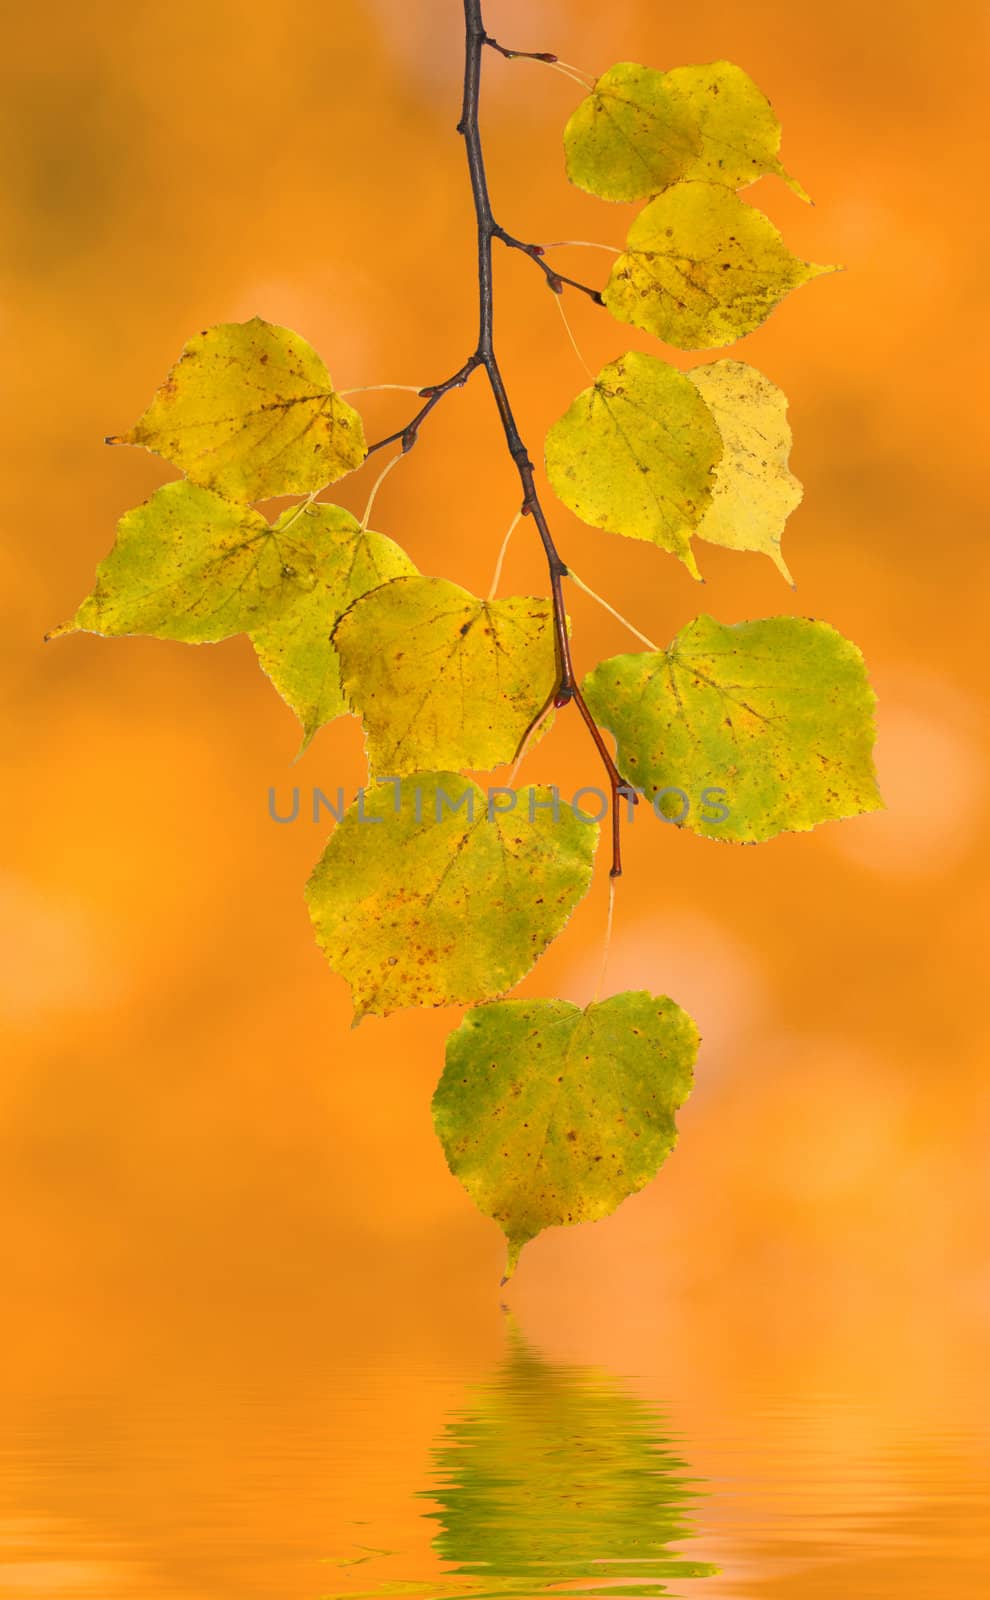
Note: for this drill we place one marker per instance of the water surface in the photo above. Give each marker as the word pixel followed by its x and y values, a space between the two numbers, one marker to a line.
pixel 516 1475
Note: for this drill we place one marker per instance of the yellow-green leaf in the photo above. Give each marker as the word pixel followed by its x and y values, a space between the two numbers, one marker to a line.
pixel 431 893
pixel 702 268
pixel 295 649
pixel 552 1115
pixel 755 492
pixel 190 565
pixel 249 410
pixel 443 679
pixel 740 136
pixel 631 136
pixel 635 454
pixel 770 722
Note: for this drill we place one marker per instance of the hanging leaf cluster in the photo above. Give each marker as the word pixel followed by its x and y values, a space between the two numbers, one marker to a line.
pixel 432 891
pixel 648 451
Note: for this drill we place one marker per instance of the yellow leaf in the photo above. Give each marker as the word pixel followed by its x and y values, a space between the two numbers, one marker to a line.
pixel 740 136
pixel 632 136
pixel 295 649
pixel 635 453
pixel 702 268
pixel 190 565
pixel 249 410
pixel 431 893
pixel 755 492
pixel 443 679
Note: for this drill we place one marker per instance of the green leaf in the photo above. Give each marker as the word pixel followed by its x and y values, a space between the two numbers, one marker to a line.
pixel 249 410
pixel 740 136
pixel 776 716
pixel 189 565
pixel 550 1115
pixel 755 492
pixel 635 454
pixel 295 649
pixel 702 268
pixel 416 903
pixel 442 679
pixel 632 136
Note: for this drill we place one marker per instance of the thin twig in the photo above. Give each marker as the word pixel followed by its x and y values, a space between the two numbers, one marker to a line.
pixel 521 55
pixel 546 56
pixel 555 280
pixel 432 394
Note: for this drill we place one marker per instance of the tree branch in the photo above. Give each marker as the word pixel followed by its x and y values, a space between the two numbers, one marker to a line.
pixel 433 394
pixel 488 229
pixel 556 280
pixel 519 55
pixel 568 688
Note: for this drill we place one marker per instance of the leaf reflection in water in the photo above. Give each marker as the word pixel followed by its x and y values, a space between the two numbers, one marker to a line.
pixel 555 1475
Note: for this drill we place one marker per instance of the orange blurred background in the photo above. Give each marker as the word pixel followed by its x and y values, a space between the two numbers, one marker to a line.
pixel 203 1167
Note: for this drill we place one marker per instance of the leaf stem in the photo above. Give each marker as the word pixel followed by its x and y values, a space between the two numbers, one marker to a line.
pixel 528 738
pixel 607 943
pixel 377 485
pixel 513 525
pixel 572 575
pixel 581 244
pixel 373 388
pixel 574 344
pixel 583 79
pixel 303 505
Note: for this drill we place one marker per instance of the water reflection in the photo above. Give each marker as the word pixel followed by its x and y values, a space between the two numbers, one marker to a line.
pixel 552 1475
pixel 560 1474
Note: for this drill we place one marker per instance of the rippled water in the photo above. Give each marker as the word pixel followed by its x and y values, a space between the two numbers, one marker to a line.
pixel 542 1476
